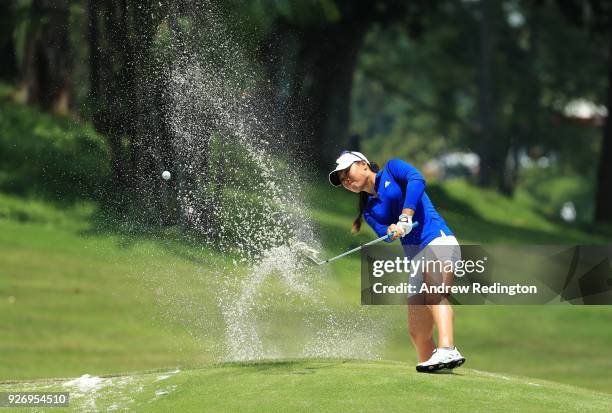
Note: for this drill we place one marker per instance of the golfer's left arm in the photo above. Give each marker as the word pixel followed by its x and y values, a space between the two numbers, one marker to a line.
pixel 379 228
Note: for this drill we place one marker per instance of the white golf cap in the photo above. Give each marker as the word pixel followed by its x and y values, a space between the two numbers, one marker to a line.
pixel 345 160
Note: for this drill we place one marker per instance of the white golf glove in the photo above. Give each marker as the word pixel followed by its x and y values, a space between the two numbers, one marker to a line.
pixel 404 224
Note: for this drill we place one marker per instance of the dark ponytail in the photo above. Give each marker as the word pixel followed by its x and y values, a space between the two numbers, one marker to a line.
pixel 363 200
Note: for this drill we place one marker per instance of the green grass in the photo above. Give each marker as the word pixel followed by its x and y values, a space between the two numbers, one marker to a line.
pixel 81 292
pixel 322 385
pixel 70 302
pixel 75 299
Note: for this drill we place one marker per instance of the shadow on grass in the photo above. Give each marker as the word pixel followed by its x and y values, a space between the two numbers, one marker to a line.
pixel 131 230
pixel 331 211
pixel 263 365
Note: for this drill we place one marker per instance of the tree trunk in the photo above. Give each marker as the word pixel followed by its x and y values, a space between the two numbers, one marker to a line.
pixel 318 106
pixel 124 91
pixel 603 206
pixel 311 67
pixel 104 86
pixel 334 70
pixel 8 64
pixel 509 174
pixel 525 128
pixel 47 62
pixel 486 148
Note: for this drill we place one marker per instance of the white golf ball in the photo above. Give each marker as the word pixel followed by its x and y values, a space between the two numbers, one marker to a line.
pixel 166 175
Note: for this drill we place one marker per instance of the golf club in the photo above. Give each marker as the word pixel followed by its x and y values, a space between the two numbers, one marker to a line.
pixel 375 241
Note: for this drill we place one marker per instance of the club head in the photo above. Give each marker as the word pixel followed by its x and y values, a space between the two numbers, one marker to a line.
pixel 307 252
pixel 315 261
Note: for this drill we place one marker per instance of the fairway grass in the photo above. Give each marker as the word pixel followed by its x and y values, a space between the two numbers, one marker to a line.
pixel 318 385
pixel 76 299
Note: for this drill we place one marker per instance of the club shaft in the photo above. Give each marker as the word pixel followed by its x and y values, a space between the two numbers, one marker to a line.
pixel 377 240
pixel 356 249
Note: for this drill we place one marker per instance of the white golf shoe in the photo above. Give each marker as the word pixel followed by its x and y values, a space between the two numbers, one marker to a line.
pixel 442 358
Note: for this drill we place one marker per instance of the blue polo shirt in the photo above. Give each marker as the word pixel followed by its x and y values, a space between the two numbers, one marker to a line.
pixel 400 185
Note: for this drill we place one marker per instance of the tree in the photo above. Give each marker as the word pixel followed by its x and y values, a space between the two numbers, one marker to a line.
pixel 596 15
pixel 489 162
pixel 603 203
pixel 125 89
pixel 311 63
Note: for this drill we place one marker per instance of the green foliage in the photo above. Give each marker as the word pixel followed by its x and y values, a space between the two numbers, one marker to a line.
pixel 51 156
pixel 403 141
pixel 300 12
pixel 404 90
pixel 416 95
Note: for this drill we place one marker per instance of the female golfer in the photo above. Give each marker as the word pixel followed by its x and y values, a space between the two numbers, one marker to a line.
pixel 389 200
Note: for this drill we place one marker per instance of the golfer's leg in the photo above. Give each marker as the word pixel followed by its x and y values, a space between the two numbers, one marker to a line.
pixel 443 249
pixel 441 309
pixel 420 328
pixel 442 315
